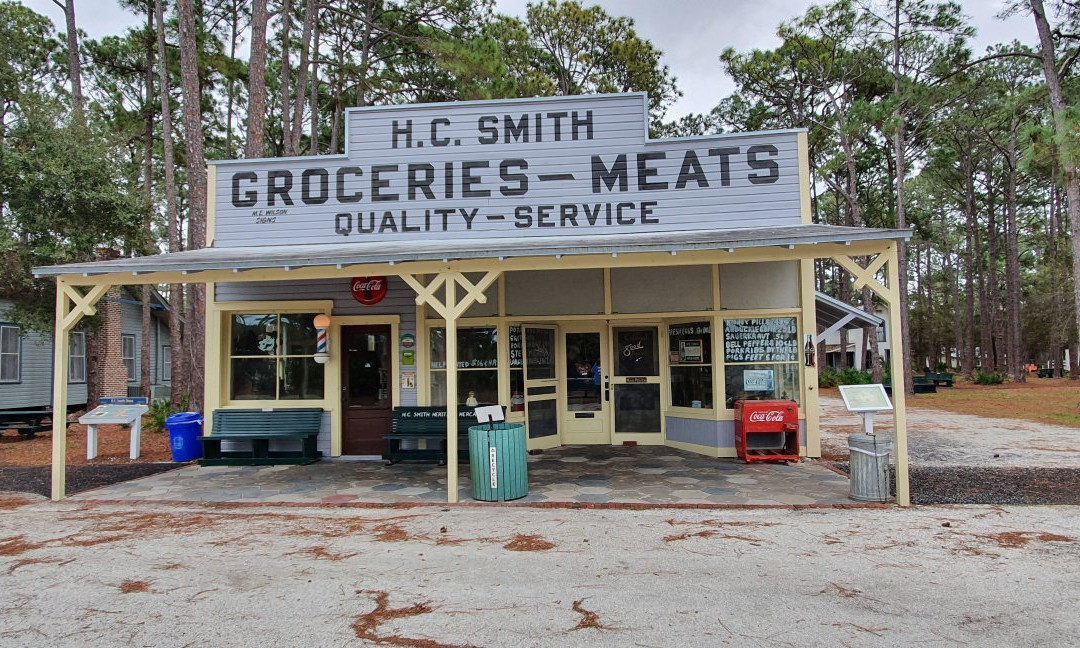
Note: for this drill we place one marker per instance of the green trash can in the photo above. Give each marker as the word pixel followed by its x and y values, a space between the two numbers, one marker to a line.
pixel 497 462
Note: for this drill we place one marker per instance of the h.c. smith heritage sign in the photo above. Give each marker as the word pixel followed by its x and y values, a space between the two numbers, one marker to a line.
pixel 555 166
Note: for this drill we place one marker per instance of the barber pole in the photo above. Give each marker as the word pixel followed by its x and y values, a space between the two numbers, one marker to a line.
pixel 322 323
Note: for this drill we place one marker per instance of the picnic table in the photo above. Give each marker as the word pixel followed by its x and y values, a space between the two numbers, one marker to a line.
pixel 115 411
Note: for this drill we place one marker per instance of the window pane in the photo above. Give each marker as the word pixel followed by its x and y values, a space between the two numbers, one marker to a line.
pixel 690 343
pixel 773 339
pixel 583 375
pixel 254 335
pixel 691 387
pixel 477 348
pixel 127 346
pixel 253 378
pixel 9 367
pixel 517 390
pixel 482 385
pixel 543 418
pixel 78 344
pixel 635 351
pixel 637 408
pixel 301 378
pixel 760 382
pixel 9 339
pixel 297 334
pixel 539 354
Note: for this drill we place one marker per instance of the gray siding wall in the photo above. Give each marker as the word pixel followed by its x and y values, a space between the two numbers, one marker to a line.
pixel 131 324
pixel 35 387
pixel 727 193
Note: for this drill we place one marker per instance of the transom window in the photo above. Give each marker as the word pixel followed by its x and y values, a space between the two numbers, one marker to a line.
pixel 271 357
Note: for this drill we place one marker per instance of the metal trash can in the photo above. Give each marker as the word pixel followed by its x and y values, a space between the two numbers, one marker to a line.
pixel 498 463
pixel 185 429
pixel 869 468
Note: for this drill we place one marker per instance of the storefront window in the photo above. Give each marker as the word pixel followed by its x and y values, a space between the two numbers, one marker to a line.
pixel 478 366
pixel 270 357
pixel 761 357
pixel 690 362
pixel 517 371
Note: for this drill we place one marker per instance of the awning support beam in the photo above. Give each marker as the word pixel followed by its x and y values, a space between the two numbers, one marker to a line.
pixel 450 308
pixel 840 323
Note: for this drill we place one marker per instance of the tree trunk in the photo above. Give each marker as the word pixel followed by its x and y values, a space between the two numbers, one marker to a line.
pixel 313 136
pixel 230 98
pixel 256 116
pixel 1062 136
pixel 178 382
pixel 293 146
pixel 1012 260
pixel 148 188
pixel 286 24
pixel 196 174
pixel 74 63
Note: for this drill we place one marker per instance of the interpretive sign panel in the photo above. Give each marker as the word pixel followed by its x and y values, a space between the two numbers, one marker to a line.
pixel 558 166
pixel 865 398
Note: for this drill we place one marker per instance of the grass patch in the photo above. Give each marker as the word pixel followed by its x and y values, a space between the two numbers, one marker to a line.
pixel 1042 400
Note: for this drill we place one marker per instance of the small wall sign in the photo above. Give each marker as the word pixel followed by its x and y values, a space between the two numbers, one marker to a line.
pixel 408 380
pixel 408 341
pixel 369 290
pixel 408 358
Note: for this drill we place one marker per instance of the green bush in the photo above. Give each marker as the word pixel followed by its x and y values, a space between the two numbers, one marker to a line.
pixel 163 409
pixel 989 378
pixel 830 377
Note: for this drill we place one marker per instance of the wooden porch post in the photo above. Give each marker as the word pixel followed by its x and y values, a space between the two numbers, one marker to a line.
pixel 451 308
pixel 70 308
pixel 898 366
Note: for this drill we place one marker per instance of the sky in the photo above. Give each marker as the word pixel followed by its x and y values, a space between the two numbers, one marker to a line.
pixel 690 33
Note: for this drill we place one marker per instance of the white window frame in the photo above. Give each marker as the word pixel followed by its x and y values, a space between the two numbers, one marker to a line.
pixel 7 330
pixel 133 372
pixel 166 362
pixel 76 360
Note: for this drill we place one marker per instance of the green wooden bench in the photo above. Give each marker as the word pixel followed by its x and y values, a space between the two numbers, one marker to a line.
pixel 940 379
pixel 259 427
pixel 920 385
pixel 26 422
pixel 428 424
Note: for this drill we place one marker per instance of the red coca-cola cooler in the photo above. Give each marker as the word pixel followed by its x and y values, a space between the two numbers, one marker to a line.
pixel 767 430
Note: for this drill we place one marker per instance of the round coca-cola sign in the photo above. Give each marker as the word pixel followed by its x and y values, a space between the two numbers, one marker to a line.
pixel 369 290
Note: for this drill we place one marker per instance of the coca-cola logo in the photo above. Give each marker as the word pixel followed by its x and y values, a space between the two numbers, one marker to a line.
pixel 770 416
pixel 369 290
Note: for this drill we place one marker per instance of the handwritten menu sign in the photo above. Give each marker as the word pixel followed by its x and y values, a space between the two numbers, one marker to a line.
pixel 515 346
pixel 773 339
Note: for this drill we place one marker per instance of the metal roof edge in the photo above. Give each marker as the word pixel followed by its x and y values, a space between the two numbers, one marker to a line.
pixel 848 308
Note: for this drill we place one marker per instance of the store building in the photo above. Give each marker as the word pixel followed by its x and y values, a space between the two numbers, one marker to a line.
pixel 606 288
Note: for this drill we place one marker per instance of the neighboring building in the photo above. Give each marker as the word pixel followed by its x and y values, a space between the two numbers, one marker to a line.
pixel 858 353
pixel 26 357
pixel 605 287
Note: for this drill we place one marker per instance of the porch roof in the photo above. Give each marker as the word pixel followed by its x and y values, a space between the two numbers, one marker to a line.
pixel 831 311
pixel 403 251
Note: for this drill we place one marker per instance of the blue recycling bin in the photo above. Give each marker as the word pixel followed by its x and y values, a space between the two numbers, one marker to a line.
pixel 184 430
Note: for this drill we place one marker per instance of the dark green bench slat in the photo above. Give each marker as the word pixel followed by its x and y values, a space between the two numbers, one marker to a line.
pixel 427 424
pixel 260 427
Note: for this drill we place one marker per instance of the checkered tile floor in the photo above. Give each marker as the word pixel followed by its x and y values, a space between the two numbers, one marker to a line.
pixel 572 474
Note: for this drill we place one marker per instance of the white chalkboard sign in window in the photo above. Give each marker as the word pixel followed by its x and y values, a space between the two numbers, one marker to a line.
pixel 772 339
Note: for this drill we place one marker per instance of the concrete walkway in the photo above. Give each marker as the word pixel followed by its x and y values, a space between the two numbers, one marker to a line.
pixel 571 474
pixel 945 438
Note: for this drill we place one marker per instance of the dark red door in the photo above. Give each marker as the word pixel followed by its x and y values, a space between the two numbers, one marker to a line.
pixel 366 389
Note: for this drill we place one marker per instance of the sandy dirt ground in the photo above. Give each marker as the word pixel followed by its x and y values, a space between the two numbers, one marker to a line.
pixel 936 437
pixel 75 574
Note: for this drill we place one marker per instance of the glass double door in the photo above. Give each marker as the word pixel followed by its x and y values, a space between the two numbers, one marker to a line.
pixel 588 383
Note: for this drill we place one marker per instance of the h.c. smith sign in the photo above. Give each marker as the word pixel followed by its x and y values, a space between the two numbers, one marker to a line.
pixel 558 166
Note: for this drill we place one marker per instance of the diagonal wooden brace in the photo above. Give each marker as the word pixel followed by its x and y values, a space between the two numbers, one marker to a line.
pixel 865 276
pixel 81 305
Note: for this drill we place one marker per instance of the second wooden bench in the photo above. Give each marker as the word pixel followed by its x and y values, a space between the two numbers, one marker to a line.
pixel 258 427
